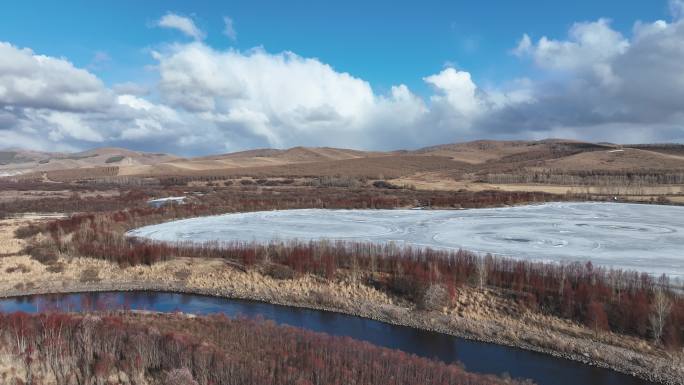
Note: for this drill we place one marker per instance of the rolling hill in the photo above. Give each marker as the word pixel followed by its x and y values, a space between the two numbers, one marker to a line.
pixel 18 162
pixel 482 160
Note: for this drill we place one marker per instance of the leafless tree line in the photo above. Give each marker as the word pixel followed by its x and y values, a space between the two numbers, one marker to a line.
pixel 601 178
pixel 69 349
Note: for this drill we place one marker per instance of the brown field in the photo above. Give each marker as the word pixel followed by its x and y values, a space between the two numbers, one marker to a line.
pixel 35 161
pixel 618 159
pixel 555 166
pixel 247 159
pixel 435 181
pixel 380 167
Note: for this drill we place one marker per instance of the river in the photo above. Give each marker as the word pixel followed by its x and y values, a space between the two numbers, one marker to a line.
pixel 476 356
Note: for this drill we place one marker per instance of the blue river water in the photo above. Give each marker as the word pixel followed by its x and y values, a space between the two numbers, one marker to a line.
pixel 475 356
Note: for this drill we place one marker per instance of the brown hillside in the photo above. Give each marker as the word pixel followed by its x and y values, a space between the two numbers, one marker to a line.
pixel 250 159
pixel 618 159
pixel 483 160
pixel 27 162
pixel 372 167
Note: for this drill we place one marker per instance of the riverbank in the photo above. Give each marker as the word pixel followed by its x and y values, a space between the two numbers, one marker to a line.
pixel 480 314
pixel 150 348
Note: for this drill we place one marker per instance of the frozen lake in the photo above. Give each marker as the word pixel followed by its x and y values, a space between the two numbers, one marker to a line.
pixel 646 238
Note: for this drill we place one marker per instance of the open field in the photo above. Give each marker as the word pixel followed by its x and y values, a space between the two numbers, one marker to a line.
pixel 22 161
pixel 548 165
pixel 435 181
pixel 617 159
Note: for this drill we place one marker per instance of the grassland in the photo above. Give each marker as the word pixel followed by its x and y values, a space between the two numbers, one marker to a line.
pixel 465 175
pixel 556 166
pixel 487 314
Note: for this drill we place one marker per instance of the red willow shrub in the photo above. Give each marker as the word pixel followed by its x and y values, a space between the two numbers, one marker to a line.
pixel 573 291
pixel 129 209
pixel 209 350
pixel 209 200
pixel 604 299
pixel 78 199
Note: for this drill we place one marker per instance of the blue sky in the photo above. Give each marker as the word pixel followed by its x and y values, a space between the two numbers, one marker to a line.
pixel 384 44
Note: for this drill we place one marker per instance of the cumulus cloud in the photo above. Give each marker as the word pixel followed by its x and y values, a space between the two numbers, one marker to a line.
pixel 590 48
pixel 28 80
pixel 48 103
pixel 596 83
pixel 611 87
pixel 131 88
pixel 677 8
pixel 181 23
pixel 276 99
pixel 524 46
pixel 229 29
pixel 457 90
pixel 599 85
pixel 70 125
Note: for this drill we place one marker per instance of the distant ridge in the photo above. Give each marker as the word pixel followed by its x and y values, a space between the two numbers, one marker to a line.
pixel 480 157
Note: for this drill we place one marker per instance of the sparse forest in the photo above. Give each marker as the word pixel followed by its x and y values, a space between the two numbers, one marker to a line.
pixel 611 300
pixel 328 193
pixel 128 348
pixel 600 178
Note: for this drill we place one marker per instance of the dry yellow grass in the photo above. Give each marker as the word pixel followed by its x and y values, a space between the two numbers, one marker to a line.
pixel 9 244
pixel 618 159
pixel 439 181
pixel 371 167
pixel 249 159
pixel 478 313
pixel 480 151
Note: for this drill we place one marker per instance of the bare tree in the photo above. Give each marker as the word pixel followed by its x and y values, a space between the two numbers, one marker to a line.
pixel 482 271
pixel 661 310
pixel 180 377
pixel 54 345
pixel 435 297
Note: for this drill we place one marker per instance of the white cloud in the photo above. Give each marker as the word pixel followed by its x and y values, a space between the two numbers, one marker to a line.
pixel 677 8
pixel 19 139
pixel 181 23
pixel 48 100
pixel 590 48
pixel 130 88
pixel 229 29
pixel 594 84
pixel 70 125
pixel 588 43
pixel 273 96
pixel 524 46
pixel 28 80
pixel 458 90
pixel 256 99
pixel 149 119
pixel 610 87
pixel 197 77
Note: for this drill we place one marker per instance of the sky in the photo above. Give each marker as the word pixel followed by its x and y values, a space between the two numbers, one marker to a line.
pixel 203 77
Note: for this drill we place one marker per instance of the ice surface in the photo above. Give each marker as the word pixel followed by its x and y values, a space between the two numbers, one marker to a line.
pixel 647 238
